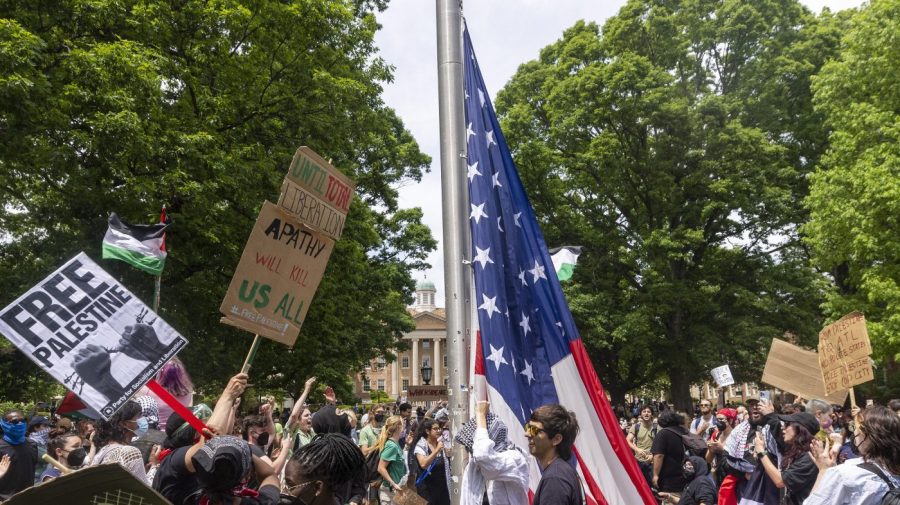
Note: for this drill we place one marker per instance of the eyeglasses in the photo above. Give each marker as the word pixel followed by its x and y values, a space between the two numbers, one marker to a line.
pixel 291 489
pixel 704 405
pixel 531 430
pixel 436 428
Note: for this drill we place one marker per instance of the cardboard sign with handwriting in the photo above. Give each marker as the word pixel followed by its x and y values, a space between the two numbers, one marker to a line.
pixel 277 277
pixel 796 370
pixel 844 350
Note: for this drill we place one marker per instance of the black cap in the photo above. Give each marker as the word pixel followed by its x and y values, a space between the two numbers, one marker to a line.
pixel 804 419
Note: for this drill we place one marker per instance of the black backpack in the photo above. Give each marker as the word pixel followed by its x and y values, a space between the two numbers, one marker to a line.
pixel 892 497
pixel 694 445
pixel 371 468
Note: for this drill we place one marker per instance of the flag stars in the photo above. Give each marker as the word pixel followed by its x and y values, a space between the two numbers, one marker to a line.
pixel 522 278
pixel 524 324
pixel 498 224
pixel 516 217
pixel 483 256
pixel 538 272
pixel 528 372
pixel 497 357
pixel 481 97
pixel 469 131
pixel 561 329
pixel 473 171
pixel 488 304
pixel 496 179
pixel 489 136
pixel 477 212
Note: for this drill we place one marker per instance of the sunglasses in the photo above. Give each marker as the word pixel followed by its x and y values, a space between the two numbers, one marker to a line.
pixel 16 420
pixel 532 430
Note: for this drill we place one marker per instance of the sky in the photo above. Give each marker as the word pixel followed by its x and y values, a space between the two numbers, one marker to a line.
pixel 505 34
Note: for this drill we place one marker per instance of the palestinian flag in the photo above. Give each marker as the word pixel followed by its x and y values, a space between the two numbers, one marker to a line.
pixel 141 245
pixel 564 259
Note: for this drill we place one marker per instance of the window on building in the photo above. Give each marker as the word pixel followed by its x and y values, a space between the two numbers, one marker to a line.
pixel 426 344
pixel 445 361
pixel 405 384
pixel 426 361
pixel 446 382
pixel 404 362
pixel 367 386
pixel 379 364
pixel 381 384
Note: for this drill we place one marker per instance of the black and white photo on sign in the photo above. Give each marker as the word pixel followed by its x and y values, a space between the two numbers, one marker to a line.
pixel 90 333
pixel 722 376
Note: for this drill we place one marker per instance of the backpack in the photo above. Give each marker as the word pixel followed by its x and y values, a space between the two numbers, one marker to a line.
pixel 694 445
pixel 892 497
pixel 370 470
pixel 637 428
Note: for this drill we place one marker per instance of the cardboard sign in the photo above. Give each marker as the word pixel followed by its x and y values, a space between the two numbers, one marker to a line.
pixel 312 173
pixel 796 370
pixel 91 334
pixel 108 484
pixel 722 376
pixel 844 350
pixel 422 393
pixel 310 210
pixel 277 277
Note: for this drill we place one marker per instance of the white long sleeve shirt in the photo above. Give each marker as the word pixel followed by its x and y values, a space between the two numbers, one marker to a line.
pixel 504 474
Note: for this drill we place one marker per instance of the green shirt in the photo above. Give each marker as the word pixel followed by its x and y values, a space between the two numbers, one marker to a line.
pixel 394 456
pixel 368 436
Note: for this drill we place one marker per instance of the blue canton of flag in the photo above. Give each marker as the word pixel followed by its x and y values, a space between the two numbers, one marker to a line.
pixel 531 354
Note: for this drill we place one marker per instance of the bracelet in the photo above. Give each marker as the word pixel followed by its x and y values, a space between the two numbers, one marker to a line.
pixel 761 454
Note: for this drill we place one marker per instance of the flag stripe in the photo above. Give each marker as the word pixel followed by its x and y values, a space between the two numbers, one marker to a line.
pixel 140 232
pixel 150 264
pixel 592 493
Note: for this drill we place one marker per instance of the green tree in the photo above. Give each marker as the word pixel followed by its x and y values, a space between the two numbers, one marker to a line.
pixel 674 147
pixel 854 198
pixel 126 105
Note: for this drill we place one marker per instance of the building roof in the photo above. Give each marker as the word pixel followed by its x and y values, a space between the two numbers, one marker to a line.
pixel 425 284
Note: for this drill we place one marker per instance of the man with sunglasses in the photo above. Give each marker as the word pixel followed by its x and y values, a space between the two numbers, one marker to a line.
pixel 22 455
pixel 702 425
pixel 551 433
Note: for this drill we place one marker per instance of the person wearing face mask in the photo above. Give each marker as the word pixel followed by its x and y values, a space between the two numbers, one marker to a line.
pixel 715 457
pixel 368 436
pixel 65 447
pixel 20 453
pixel 112 437
pixel 699 489
pixel 224 468
pixel 318 469
pixel 38 433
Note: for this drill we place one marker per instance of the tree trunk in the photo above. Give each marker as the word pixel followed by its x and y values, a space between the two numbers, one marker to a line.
pixel 617 399
pixel 681 392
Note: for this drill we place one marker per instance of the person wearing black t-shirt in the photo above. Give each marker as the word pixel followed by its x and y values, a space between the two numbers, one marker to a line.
pixel 797 472
pixel 21 455
pixel 551 433
pixel 668 453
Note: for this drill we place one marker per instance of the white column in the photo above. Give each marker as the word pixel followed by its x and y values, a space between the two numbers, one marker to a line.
pixel 438 377
pixel 415 362
pixel 395 377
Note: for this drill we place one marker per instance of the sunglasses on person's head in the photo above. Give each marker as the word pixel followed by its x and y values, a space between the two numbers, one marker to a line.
pixel 532 430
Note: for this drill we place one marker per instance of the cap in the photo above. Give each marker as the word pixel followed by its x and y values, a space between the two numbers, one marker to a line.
pixel 37 421
pixel 752 398
pixel 804 419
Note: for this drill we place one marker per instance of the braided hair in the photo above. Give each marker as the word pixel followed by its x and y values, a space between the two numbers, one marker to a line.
pixel 331 458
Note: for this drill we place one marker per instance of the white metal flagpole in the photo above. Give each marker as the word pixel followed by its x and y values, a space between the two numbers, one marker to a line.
pixel 454 193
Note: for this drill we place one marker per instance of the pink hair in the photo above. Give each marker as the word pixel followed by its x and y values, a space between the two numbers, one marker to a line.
pixel 174 378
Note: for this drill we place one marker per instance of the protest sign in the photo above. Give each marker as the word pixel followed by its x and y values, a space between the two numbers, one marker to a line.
pixel 277 277
pixel 108 484
pixel 844 350
pixel 315 175
pixel 310 210
pixel 722 376
pixel 91 334
pixel 422 393
pixel 796 370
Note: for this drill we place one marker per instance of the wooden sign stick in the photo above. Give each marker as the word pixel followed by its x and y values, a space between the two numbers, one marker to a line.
pixel 248 362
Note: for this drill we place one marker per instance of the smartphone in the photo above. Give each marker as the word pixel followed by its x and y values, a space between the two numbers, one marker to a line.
pixel 765 396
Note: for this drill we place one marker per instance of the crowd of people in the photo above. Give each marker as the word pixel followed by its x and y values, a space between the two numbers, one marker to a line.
pixel 393 453
pixel 762 453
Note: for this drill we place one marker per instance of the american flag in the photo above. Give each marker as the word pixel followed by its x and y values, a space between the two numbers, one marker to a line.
pixel 529 352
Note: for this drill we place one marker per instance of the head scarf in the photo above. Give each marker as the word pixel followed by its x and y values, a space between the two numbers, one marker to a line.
pixel 222 463
pixel 496 431
pixel 327 420
pixel 730 414
pixel 149 409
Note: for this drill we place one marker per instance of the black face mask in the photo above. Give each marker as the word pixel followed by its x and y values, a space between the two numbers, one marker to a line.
pixel 720 425
pixel 76 457
pixel 379 418
pixel 263 439
pixel 688 474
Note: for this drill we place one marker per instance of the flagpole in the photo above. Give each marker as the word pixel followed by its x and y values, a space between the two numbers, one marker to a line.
pixel 157 281
pixel 454 193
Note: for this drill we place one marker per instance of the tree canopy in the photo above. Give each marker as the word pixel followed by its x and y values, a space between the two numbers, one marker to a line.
pixel 123 106
pixel 854 198
pixel 674 146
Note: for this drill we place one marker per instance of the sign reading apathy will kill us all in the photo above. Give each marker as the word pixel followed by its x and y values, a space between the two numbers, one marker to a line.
pixel 277 277
pixel 91 334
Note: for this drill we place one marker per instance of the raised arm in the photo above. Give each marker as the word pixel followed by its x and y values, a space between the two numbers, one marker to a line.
pixel 298 405
pixel 224 407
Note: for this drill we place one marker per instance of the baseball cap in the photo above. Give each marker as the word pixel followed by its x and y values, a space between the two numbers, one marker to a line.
pixel 804 419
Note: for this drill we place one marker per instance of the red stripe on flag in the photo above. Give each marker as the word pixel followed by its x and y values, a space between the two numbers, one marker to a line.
pixel 608 420
pixel 479 356
pixel 592 493
pixel 162 219
pixel 71 403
